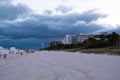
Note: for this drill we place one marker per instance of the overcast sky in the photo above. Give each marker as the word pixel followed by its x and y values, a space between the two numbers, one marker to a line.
pixel 32 23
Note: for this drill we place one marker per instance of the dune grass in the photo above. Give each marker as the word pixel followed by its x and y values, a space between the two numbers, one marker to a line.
pixel 108 50
pixel 113 50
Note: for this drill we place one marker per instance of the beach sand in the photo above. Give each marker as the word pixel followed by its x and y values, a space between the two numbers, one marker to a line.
pixel 59 65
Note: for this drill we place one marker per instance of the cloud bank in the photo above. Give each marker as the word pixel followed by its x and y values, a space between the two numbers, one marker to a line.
pixel 19 26
pixel 8 11
pixel 45 26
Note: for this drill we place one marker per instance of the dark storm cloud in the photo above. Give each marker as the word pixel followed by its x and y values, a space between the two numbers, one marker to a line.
pixel 63 8
pixel 33 30
pixel 52 26
pixel 8 11
pixel 20 28
pixel 43 26
pixel 91 15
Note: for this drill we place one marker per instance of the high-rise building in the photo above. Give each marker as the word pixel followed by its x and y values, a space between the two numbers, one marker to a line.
pixel 75 39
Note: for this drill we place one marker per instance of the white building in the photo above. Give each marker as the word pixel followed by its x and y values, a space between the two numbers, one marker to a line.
pixel 75 39
pixel 13 50
pixel 2 50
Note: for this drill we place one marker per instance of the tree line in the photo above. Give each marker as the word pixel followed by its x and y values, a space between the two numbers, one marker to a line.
pixel 99 41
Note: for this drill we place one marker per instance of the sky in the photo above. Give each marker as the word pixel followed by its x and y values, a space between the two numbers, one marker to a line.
pixel 34 23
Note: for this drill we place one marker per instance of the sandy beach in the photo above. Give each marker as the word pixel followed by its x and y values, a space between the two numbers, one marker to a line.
pixel 59 65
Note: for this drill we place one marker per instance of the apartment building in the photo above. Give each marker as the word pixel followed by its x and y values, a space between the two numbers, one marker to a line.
pixel 55 43
pixel 75 39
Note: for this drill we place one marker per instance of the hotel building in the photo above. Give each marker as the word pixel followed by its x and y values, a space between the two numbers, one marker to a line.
pixel 75 39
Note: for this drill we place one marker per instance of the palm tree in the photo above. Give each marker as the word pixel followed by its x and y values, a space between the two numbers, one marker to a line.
pixel 113 38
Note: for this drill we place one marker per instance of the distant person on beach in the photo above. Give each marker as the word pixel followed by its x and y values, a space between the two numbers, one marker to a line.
pixel 21 52
pixel 17 51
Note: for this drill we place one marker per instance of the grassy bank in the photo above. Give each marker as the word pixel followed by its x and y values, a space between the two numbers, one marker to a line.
pixel 102 51
pixel 108 50
pixel 112 50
